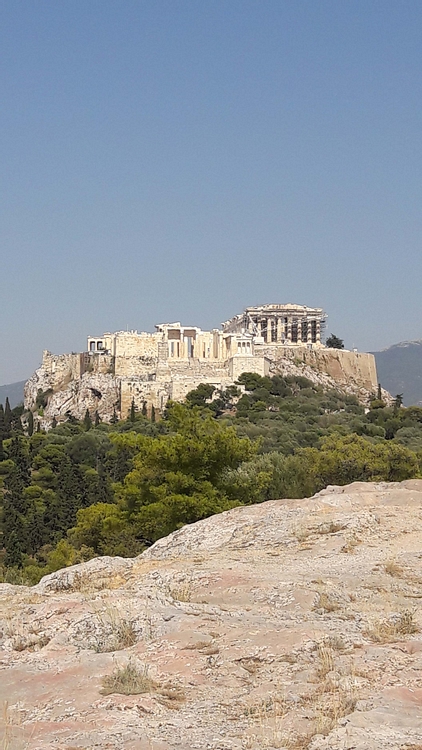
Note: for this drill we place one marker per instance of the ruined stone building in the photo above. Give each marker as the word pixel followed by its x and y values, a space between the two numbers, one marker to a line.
pixel 151 368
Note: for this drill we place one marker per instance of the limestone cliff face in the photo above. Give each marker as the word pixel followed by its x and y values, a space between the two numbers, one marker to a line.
pixel 344 367
pixel 289 624
pixel 73 383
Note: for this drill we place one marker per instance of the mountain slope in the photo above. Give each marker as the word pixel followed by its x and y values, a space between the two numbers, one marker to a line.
pixel 400 370
pixel 13 391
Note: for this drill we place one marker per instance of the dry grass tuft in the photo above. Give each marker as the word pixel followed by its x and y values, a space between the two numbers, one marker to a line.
pixel 134 680
pixel 182 593
pixel 340 704
pixel 30 642
pixel 326 602
pixel 393 569
pixel 383 631
pixel 128 680
pixel 350 545
pixel 335 642
pixel 325 660
pixel 115 632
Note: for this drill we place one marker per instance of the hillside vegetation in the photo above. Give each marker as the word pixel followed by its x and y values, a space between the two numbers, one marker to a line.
pixel 85 489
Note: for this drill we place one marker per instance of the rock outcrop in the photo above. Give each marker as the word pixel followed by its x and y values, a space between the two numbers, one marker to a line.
pixel 291 624
pixel 69 384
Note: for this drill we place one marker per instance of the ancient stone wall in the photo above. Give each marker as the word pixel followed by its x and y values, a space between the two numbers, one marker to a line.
pixel 239 364
pixel 343 366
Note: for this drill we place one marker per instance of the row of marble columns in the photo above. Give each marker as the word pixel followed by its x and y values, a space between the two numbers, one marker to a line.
pixel 278 331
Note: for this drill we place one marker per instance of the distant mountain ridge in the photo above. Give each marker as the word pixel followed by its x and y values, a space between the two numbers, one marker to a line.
pixel 14 392
pixel 399 369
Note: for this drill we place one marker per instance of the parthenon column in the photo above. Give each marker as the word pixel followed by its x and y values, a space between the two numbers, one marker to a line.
pixel 289 330
pixel 309 332
pixel 299 331
pixel 318 331
pixel 269 329
pixel 279 336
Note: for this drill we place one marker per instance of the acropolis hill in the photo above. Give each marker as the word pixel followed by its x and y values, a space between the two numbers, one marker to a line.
pixel 151 368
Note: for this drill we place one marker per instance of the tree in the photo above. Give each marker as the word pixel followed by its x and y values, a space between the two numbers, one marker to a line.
pixel 14 551
pixel 6 419
pixel 97 418
pixel 54 422
pixel 333 342
pixel 30 424
pixel 178 478
pixel 398 402
pixel 153 415
pixel 87 421
pixel 144 409
pixel 3 430
pixel 343 459
pixel 200 395
pixel 132 414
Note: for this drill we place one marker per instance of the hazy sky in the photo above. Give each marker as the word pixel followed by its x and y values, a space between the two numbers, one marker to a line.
pixel 181 159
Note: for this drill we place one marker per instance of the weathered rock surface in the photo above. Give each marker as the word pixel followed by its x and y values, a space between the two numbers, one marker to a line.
pixel 291 624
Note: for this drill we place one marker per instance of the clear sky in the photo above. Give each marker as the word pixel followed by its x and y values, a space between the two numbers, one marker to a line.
pixel 181 159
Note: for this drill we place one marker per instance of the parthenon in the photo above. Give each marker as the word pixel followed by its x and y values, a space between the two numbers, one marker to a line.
pixel 280 324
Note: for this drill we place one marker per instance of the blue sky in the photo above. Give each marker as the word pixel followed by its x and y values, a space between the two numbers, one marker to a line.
pixel 179 160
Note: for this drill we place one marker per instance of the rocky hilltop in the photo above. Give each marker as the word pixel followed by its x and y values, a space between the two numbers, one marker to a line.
pixel 72 383
pixel 290 624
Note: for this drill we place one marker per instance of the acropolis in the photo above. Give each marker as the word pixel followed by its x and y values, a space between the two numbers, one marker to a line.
pixel 148 369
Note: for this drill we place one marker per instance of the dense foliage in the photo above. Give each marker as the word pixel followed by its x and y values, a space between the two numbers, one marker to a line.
pixel 86 489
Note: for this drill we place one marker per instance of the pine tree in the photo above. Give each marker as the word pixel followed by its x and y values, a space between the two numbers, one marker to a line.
pixel 114 419
pixel 14 511
pixel 3 432
pixel 7 419
pixel 144 409
pixel 69 497
pixel 97 419
pixel 54 422
pixel 36 530
pixel 334 342
pixel 30 427
pixel 16 421
pixel 18 454
pixel 87 421
pixel 379 392
pixel 132 415
pixel 153 415
pixel 2 456
pixel 13 556
pixel 398 402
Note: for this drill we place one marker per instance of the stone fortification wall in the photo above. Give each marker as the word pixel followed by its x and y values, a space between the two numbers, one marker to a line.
pixel 239 364
pixel 343 366
pixel 127 345
pixel 105 383
pixel 143 365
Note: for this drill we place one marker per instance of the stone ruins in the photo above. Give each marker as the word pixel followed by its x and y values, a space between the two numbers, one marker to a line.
pixel 150 368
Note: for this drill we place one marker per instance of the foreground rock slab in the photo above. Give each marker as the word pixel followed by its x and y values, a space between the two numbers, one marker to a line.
pixel 288 625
